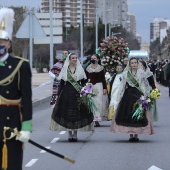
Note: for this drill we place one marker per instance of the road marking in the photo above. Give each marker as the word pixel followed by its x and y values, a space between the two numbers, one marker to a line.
pixel 43 84
pixel 62 132
pixel 54 140
pixel 153 167
pixel 32 162
pixel 43 151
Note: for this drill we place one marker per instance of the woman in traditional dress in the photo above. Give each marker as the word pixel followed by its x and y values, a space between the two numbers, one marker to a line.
pixel 114 86
pixel 134 85
pixel 149 74
pixel 54 73
pixel 96 75
pixel 66 113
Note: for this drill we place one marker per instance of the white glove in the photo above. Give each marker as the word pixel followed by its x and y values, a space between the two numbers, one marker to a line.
pixel 25 136
pixel 52 75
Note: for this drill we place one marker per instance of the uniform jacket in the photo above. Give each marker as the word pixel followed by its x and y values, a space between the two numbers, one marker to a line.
pixel 15 83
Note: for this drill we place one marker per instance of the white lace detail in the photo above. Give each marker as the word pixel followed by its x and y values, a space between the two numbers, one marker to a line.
pixel 141 77
pixel 148 72
pixel 79 74
pixel 90 69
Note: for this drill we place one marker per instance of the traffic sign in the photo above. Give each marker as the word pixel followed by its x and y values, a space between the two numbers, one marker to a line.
pixel 24 30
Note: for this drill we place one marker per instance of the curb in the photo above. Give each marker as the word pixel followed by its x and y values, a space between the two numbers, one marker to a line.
pixel 41 101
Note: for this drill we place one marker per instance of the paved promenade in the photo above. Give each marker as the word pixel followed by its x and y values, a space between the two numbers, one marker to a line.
pixel 41 87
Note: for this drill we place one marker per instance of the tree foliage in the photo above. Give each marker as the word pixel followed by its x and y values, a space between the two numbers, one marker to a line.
pixel 73 37
pixel 19 46
pixel 165 46
pixel 155 48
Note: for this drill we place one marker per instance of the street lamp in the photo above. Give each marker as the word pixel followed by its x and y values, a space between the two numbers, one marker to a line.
pixel 97 25
pixel 81 30
pixel 51 34
pixel 114 26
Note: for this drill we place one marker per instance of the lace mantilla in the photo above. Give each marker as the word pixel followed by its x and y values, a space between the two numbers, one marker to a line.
pixel 90 69
pixel 141 77
pixel 79 74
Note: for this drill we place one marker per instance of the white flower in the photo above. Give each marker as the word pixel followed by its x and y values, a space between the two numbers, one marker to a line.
pixel 142 98
pixel 148 100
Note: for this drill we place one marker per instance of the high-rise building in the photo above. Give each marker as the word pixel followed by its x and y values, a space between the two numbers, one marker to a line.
pixel 112 11
pixel 70 10
pixel 157 26
pixel 131 23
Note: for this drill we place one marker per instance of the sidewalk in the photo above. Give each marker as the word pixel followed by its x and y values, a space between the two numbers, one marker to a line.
pixel 41 87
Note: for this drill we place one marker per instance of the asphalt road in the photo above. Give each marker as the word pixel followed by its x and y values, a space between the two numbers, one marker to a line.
pixel 101 149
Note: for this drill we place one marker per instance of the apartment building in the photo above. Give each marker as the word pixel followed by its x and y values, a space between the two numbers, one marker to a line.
pixel 131 23
pixel 70 10
pixel 110 11
pixel 158 28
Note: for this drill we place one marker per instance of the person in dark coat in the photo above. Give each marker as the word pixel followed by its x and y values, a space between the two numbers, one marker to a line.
pixel 15 98
pixel 168 77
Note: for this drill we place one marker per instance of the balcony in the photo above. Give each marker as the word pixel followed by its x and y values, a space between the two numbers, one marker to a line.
pixel 67 20
pixel 67 6
pixel 44 1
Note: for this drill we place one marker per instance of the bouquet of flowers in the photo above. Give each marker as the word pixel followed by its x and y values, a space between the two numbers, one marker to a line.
pixel 155 94
pixel 86 97
pixel 113 50
pixel 140 107
pixel 144 103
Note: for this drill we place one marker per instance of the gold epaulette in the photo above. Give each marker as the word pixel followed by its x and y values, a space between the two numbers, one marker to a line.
pixel 24 59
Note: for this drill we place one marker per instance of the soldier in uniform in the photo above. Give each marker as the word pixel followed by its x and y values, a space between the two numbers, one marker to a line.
pixel 15 98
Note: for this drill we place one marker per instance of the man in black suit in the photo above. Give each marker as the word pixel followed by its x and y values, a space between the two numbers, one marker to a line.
pixel 15 98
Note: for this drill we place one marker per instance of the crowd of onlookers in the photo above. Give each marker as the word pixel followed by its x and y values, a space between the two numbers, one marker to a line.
pixel 161 71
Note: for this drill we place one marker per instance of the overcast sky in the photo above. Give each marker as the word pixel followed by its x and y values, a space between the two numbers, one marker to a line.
pixel 144 10
pixel 31 3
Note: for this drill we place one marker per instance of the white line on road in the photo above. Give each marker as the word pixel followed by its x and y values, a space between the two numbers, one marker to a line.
pixel 154 168
pixel 62 132
pixel 43 151
pixel 54 140
pixel 32 162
